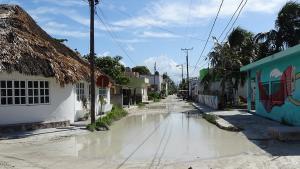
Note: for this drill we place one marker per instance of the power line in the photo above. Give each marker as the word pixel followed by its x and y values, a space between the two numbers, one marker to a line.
pixel 230 19
pixel 235 20
pixel 209 34
pixel 113 36
pixel 239 8
pixel 159 27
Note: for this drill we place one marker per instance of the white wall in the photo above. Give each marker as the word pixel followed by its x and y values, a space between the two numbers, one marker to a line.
pixel 61 105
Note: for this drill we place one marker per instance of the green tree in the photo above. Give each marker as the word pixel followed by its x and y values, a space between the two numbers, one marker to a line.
pixel 112 67
pixel 172 88
pixel 286 33
pixel 227 59
pixel 142 70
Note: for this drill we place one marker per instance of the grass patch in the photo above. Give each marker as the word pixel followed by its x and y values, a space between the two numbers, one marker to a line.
pixel 103 123
pixel 140 105
pixel 210 118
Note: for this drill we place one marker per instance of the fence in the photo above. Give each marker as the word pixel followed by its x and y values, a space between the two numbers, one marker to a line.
pixel 209 100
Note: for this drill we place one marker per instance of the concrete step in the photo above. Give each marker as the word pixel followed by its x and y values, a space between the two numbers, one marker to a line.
pixel 285 133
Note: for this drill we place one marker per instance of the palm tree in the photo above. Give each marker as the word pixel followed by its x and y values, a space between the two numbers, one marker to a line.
pixel 286 33
pixel 229 57
pixel 288 23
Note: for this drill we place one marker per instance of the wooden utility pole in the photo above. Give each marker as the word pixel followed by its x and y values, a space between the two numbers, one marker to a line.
pixel 92 59
pixel 187 68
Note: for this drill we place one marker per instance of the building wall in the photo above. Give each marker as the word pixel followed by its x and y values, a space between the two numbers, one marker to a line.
pixel 283 103
pixel 61 107
pixel 158 80
pixel 63 103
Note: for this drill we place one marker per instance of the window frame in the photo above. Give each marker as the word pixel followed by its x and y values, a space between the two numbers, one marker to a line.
pixel 26 93
pixel 80 93
pixel 104 95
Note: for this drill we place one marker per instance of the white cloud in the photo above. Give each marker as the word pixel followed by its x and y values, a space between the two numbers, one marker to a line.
pixel 149 34
pixel 164 64
pixel 65 3
pixel 107 53
pixel 130 40
pixel 175 12
pixel 130 48
pixel 74 15
pixel 68 33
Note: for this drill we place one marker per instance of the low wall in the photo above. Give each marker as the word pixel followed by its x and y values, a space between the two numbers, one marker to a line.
pixel 210 101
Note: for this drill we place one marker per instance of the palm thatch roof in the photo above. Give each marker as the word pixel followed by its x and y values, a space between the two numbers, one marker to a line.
pixel 25 47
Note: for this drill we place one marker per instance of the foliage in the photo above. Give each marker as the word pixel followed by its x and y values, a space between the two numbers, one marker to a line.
pixel 103 122
pixel 155 96
pixel 142 70
pixel 183 85
pixel 112 67
pixel 172 88
pixel 140 105
pixel 210 118
pixel 227 59
pixel 286 33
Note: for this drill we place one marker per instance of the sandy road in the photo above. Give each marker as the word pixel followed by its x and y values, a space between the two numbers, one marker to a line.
pixel 156 136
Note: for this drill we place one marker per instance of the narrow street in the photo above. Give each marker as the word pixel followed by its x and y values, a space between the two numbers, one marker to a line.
pixel 158 135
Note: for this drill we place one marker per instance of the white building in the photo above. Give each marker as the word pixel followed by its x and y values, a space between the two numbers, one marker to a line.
pixel 41 80
pixel 155 81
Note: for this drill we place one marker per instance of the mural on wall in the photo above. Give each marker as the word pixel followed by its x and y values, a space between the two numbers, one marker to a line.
pixel 275 93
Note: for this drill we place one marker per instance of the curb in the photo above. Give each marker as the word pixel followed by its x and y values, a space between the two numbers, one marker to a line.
pixel 217 120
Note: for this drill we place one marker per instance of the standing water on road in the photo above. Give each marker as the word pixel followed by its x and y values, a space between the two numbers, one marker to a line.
pixel 141 139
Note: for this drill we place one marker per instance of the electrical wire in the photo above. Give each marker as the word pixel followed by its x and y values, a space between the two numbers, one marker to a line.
pixel 113 36
pixel 211 29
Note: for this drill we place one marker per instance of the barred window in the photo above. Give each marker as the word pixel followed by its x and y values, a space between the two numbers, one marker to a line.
pixel 24 92
pixel 20 92
pixel 103 92
pixel 80 91
pixel 38 92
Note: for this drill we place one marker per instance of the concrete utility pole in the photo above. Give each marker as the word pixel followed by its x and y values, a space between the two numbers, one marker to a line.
pixel 187 68
pixel 92 4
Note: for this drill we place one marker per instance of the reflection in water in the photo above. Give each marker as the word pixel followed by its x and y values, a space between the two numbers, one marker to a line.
pixel 150 138
pixel 176 137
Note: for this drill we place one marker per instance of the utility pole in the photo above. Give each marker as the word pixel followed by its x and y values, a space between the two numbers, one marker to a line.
pixel 92 4
pixel 187 68
pixel 154 76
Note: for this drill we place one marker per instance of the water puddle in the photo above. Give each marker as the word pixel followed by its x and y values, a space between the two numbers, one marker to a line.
pixel 167 136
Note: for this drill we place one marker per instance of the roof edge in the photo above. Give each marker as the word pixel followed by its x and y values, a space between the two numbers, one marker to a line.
pixel 276 56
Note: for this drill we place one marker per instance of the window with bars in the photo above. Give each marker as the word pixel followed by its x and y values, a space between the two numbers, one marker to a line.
pixel 20 92
pixel 80 91
pixel 102 92
pixel 38 92
pixel 14 92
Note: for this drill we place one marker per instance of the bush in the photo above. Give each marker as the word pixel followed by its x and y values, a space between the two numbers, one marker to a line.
pixel 154 96
pixel 103 122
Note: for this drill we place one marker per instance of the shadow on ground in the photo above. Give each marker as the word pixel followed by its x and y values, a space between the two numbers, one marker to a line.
pixel 255 128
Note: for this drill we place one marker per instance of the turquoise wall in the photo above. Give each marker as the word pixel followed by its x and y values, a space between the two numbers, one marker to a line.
pixel 270 72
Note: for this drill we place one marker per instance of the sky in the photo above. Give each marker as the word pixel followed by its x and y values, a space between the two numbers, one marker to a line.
pixel 147 31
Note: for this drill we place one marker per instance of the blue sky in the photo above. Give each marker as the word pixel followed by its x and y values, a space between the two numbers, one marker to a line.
pixel 148 31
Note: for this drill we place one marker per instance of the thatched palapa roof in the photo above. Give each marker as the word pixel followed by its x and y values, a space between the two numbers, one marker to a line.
pixel 25 47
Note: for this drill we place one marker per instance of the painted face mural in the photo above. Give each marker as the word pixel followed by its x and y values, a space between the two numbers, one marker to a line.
pixel 274 93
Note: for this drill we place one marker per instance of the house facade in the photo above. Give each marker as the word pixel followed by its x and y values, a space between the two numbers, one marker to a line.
pixel 273 83
pixel 41 80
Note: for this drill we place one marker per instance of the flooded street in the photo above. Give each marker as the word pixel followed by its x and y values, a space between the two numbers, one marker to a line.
pixel 153 137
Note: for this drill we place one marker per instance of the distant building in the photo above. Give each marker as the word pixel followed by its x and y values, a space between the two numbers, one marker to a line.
pixel 156 82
